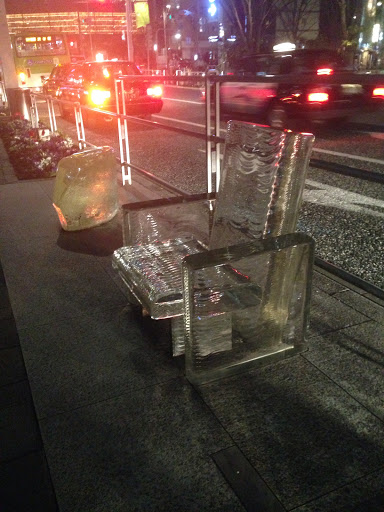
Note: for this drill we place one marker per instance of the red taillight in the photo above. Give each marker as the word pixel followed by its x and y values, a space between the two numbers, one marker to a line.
pixel 325 71
pixel 98 96
pixel 156 91
pixel 318 97
pixel 378 92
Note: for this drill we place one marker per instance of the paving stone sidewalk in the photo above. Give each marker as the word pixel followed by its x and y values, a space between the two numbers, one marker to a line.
pixel 111 423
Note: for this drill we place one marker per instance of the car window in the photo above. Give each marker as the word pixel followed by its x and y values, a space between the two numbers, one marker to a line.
pixel 280 65
pixel 75 75
pixel 110 70
pixel 307 63
pixel 59 71
pixel 253 65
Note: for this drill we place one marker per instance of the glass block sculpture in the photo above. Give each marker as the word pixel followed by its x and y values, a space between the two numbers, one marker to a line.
pixel 85 193
pixel 260 194
pixel 261 316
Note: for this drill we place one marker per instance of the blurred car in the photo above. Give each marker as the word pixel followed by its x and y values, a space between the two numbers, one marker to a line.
pixel 315 85
pixel 52 83
pixel 92 84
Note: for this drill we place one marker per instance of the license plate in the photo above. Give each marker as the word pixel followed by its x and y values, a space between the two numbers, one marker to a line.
pixel 351 88
pixel 131 93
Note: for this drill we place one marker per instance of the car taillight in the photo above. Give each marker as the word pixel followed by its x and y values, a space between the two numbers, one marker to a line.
pixel 98 96
pixel 318 97
pixel 378 92
pixel 156 91
pixel 325 71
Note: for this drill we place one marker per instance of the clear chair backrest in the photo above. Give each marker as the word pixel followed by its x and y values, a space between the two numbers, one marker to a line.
pixel 262 183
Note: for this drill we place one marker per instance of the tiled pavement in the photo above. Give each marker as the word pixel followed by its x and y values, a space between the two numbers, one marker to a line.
pixel 117 426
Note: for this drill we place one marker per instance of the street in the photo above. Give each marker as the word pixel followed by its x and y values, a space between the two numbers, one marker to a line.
pixel 345 215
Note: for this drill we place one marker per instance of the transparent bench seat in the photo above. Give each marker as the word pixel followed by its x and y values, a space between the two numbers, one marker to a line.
pixel 258 200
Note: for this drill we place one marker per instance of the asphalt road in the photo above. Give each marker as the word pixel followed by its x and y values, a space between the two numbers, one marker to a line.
pixel 345 215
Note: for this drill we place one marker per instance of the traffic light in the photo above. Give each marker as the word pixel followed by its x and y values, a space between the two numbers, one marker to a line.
pixel 212 8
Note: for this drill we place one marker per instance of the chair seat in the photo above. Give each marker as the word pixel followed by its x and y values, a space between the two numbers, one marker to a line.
pixel 154 272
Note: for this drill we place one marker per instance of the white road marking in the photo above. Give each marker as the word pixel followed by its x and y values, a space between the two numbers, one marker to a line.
pixel 185 101
pixel 376 135
pixel 326 195
pixel 344 155
pixel 178 121
pixel 325 151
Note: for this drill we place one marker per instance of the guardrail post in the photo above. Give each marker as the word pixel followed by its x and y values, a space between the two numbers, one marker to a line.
pixel 51 113
pixel 80 127
pixel 123 134
pixel 208 143
pixel 34 113
pixel 217 134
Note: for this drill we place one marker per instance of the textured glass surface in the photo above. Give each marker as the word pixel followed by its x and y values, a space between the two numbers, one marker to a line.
pixel 85 192
pixel 260 193
pixel 262 184
pixel 154 271
pixel 165 222
pixel 269 320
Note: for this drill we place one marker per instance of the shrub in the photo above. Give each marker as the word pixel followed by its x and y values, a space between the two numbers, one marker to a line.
pixel 34 153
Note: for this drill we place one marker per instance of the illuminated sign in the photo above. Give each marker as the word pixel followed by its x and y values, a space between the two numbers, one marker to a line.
pixel 34 39
pixel 142 14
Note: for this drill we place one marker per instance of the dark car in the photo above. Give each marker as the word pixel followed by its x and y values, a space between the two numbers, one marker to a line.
pixel 92 84
pixel 52 84
pixel 316 85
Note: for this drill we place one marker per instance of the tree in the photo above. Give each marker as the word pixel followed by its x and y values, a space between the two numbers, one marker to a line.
pixel 298 18
pixel 250 20
pixel 342 4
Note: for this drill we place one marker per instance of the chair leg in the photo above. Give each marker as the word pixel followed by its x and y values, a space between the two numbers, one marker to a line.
pixel 215 335
pixel 178 344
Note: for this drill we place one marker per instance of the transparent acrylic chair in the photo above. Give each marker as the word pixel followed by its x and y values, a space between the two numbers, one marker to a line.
pixel 259 199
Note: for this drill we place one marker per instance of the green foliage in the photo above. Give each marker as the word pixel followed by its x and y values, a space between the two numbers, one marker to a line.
pixel 33 156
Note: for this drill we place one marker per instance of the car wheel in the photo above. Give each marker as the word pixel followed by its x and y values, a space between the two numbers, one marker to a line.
pixel 277 116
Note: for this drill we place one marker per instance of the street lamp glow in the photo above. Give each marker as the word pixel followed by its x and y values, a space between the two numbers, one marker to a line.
pixel 155 47
pixel 212 9
pixel 375 32
pixel 178 35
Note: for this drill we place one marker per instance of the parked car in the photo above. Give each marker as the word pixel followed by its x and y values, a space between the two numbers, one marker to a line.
pixel 92 84
pixel 316 85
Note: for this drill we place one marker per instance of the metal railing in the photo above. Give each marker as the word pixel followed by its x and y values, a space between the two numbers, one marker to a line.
pixel 212 139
